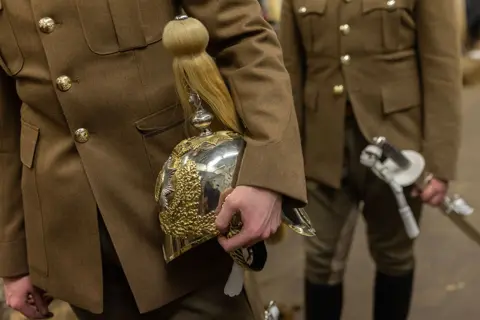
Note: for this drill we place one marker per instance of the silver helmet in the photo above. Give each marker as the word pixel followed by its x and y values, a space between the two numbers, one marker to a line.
pixel 193 183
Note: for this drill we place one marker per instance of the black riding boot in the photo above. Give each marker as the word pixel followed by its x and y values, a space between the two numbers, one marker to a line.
pixel 392 296
pixel 323 302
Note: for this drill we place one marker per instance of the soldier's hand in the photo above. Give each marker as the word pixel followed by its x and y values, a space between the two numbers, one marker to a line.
pixel 23 297
pixel 434 193
pixel 260 212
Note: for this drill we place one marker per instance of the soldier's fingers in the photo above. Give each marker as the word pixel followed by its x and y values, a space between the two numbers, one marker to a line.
pixel 278 220
pixel 428 193
pixel 223 196
pixel 436 200
pixel 272 227
pixel 29 311
pixel 242 240
pixel 41 305
pixel 225 215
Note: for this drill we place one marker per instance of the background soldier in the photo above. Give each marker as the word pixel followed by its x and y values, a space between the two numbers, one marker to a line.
pixel 88 114
pixel 470 18
pixel 473 21
pixel 360 69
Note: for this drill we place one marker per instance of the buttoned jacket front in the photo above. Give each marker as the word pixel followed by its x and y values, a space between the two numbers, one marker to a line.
pixel 396 61
pixel 88 115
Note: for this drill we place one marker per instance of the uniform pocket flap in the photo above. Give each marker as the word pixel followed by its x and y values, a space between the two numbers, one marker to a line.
pixel 400 96
pixel 370 5
pixel 112 26
pixel 11 58
pixel 305 7
pixel 161 121
pixel 28 143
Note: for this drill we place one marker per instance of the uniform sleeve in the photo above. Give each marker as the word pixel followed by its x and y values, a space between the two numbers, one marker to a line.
pixel 439 44
pixel 13 256
pixel 293 55
pixel 250 59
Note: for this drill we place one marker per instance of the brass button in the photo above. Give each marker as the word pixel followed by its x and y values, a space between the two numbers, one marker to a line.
pixel 82 135
pixel 391 3
pixel 345 59
pixel 345 29
pixel 64 83
pixel 338 89
pixel 46 25
pixel 302 9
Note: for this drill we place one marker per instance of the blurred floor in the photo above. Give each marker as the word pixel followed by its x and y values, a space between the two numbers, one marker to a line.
pixel 448 276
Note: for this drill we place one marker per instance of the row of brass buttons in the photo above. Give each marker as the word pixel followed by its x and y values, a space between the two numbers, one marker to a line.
pixel 345 30
pixel 64 83
pixel 345 59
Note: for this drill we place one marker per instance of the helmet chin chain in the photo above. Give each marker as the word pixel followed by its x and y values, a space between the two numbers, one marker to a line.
pixel 401 169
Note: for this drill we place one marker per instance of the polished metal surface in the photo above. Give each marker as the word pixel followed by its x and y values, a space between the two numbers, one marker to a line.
pixel 298 220
pixel 82 135
pixel 457 205
pixel 197 177
pixel 345 29
pixel 215 164
pixel 201 119
pixel 338 90
pixel 345 59
pixel 64 83
pixel 272 312
pixel 454 207
pixel 392 152
pixel 46 25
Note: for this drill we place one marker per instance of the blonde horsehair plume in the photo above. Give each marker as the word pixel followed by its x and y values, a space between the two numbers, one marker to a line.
pixel 194 69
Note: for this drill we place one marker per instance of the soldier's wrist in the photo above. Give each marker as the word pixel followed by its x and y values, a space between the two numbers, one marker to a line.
pixel 428 178
pixel 15 277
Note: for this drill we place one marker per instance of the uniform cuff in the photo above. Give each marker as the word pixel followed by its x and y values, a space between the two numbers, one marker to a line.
pixel 275 168
pixel 13 258
pixel 442 165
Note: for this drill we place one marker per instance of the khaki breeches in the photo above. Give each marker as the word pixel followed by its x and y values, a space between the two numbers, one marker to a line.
pixel 208 303
pixel 334 214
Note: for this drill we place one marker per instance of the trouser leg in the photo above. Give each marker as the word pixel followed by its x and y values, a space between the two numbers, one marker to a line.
pixel 334 215
pixel 391 249
pixel 208 303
